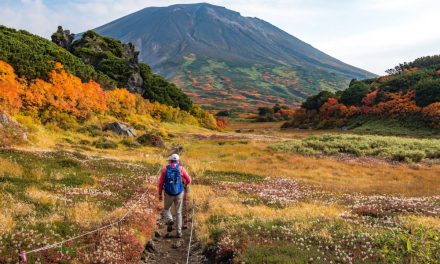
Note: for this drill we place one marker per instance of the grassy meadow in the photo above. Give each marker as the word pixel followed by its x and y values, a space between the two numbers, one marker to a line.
pixel 260 202
pixel 48 196
pixel 63 184
pixel 263 195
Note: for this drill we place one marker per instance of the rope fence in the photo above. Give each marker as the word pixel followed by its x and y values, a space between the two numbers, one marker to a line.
pixel 23 255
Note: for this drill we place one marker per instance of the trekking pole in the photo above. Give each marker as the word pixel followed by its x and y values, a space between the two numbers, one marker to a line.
pixel 190 236
pixel 186 205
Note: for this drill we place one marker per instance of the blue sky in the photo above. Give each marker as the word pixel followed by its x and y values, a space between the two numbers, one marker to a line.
pixel 371 34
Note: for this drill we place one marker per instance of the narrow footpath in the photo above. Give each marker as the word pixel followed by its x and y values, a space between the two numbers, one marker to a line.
pixel 167 249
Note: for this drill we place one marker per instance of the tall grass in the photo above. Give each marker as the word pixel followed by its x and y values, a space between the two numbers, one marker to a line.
pixel 394 148
pixel 48 196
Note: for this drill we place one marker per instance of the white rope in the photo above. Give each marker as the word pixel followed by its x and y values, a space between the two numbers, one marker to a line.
pixel 24 253
pixel 190 236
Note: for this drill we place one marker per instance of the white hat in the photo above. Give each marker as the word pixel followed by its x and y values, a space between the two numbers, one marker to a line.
pixel 174 157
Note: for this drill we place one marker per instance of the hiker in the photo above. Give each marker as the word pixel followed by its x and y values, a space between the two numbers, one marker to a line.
pixel 172 181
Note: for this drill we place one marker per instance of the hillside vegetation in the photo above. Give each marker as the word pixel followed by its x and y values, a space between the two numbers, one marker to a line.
pixel 72 88
pixel 33 57
pixel 92 58
pixel 410 96
pixel 63 101
pixel 120 62
pixel 228 85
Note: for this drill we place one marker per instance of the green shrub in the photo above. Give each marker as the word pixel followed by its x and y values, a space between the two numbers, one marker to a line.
pixel 427 92
pixel 84 142
pixel 34 57
pixel 130 143
pixel 419 245
pixel 104 143
pixel 393 148
pixel 62 120
pixel 355 93
pixel 92 130
pixel 315 102
pixel 158 89
pixel 151 139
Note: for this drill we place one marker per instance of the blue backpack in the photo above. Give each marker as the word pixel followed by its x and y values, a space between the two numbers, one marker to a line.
pixel 173 181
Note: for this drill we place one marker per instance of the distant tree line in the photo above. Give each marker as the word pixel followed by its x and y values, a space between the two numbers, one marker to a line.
pixel 423 62
pixel 413 91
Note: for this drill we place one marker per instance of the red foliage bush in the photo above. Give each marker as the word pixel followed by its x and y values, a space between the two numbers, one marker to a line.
pixel 431 113
pixel 334 114
pixel 222 122
pixel 369 99
pixel 399 105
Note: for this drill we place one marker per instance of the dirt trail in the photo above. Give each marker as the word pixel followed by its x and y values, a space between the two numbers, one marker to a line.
pixel 166 248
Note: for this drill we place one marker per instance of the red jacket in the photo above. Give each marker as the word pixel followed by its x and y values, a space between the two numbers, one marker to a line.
pixel 185 177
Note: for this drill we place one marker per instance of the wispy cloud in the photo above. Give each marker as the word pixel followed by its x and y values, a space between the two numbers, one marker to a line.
pixel 371 34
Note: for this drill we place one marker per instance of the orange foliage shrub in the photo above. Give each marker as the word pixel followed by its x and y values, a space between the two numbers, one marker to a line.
pixel 399 105
pixel 94 99
pixel 64 93
pixel 332 113
pixel 10 89
pixel 369 99
pixel 121 103
pixel 431 113
pixel 286 114
pixel 64 99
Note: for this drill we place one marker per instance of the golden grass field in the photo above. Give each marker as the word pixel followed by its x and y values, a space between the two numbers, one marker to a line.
pixel 342 209
pixel 254 204
pixel 370 176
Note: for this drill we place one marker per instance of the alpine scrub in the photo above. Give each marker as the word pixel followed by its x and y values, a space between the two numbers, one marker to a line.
pixel 393 148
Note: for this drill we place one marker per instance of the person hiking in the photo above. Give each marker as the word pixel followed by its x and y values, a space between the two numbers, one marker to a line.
pixel 171 182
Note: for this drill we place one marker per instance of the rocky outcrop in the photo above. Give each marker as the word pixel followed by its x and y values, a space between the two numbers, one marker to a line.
pixel 63 38
pixel 135 81
pixel 115 59
pixel 120 129
pixel 117 65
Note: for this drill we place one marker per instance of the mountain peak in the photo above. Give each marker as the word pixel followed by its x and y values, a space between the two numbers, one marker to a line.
pixel 184 40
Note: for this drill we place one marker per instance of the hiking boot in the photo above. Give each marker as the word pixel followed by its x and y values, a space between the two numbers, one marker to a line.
pixel 170 226
pixel 179 235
